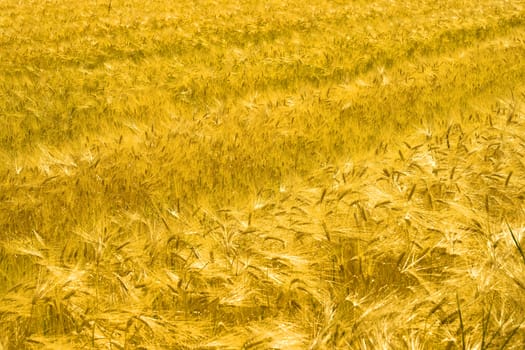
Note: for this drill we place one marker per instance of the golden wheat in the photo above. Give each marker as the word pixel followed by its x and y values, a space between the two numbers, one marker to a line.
pixel 286 175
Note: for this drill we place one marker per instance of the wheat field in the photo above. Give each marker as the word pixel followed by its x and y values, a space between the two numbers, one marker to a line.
pixel 244 174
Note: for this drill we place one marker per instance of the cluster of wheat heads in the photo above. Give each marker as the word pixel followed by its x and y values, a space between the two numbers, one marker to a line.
pixel 420 247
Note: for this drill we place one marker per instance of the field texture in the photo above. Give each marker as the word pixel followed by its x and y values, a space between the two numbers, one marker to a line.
pixel 243 174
